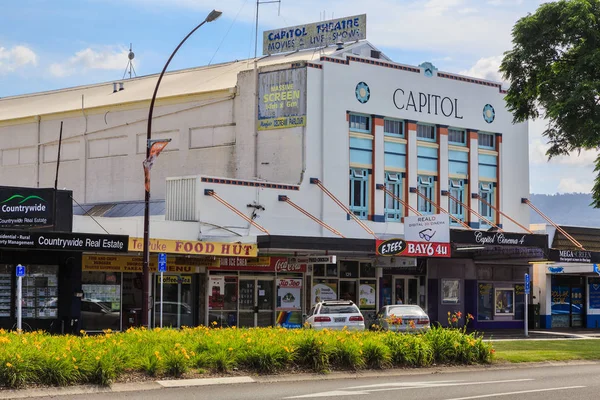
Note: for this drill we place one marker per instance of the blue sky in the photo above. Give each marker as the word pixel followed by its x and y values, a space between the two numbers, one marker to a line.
pixel 51 44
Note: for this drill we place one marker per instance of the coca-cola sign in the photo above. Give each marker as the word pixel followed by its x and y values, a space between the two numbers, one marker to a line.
pixel 260 264
pixel 283 265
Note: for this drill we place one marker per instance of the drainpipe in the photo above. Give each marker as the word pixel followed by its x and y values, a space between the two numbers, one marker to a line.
pixel 38 119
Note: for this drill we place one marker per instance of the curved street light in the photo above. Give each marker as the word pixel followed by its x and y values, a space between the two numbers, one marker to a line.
pixel 213 15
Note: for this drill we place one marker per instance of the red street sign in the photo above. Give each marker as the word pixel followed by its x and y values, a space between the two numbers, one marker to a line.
pixel 400 247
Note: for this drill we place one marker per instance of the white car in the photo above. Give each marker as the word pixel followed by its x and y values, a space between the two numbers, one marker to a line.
pixel 335 314
pixel 403 318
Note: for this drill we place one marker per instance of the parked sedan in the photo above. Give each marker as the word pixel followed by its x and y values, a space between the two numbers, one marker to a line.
pixel 402 318
pixel 335 315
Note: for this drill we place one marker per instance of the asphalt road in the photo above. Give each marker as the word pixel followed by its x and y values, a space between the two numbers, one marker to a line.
pixel 573 382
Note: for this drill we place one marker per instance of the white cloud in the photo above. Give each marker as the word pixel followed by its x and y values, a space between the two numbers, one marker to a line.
pixel 570 185
pixel 486 68
pixel 107 58
pixel 16 57
pixel 462 27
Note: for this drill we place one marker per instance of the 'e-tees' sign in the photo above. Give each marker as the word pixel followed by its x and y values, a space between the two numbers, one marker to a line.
pixel 318 34
pixel 23 207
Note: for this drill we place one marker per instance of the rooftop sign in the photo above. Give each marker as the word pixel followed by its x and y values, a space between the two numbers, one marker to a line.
pixel 318 34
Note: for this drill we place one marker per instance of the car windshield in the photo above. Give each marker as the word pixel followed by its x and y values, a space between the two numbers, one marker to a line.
pixel 341 309
pixel 405 310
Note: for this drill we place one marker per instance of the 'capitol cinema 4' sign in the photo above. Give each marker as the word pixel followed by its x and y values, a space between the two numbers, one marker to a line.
pixel 26 207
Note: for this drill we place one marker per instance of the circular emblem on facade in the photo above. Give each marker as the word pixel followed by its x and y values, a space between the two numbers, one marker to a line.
pixel 363 93
pixel 488 113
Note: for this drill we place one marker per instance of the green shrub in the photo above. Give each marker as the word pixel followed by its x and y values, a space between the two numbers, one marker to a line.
pixel 39 358
pixel 377 355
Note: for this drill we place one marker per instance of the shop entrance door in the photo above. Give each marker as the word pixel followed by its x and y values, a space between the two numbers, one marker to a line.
pixel 177 304
pixel 256 302
pixel 406 290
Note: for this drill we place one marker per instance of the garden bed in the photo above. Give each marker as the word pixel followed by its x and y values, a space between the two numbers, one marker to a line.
pixel 41 359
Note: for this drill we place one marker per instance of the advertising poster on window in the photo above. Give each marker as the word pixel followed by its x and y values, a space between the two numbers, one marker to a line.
pixel 216 294
pixel 324 291
pixel 450 291
pixel 289 303
pixel 366 298
pixel 595 296
pixel 505 301
pixel 288 294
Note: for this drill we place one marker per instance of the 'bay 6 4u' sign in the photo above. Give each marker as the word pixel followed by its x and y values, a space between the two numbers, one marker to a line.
pixel 400 247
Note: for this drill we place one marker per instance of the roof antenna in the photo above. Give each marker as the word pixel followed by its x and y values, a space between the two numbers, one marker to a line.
pixel 129 68
pixel 258 3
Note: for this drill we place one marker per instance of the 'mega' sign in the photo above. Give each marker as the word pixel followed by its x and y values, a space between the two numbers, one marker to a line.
pixel 318 34
pixel 25 207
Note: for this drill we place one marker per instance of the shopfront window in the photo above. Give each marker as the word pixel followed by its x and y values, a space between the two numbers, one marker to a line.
pixel 5 290
pixel 40 292
pixel 223 300
pixel 485 306
pixel 450 291
pixel 101 302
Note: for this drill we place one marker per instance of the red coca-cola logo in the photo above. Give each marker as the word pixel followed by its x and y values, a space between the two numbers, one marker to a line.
pixel 282 265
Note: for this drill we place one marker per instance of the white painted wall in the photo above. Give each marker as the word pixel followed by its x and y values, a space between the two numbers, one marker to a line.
pixel 215 135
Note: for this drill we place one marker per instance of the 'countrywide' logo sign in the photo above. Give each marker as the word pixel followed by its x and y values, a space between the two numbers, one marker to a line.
pixel 25 207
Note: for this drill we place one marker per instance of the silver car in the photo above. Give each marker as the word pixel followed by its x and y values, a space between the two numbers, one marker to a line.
pixel 335 315
pixel 402 318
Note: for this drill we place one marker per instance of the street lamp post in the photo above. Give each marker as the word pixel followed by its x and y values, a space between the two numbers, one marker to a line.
pixel 213 15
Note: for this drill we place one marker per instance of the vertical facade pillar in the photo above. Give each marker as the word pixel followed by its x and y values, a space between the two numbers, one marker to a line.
pixel 473 203
pixel 412 164
pixel 443 177
pixel 378 196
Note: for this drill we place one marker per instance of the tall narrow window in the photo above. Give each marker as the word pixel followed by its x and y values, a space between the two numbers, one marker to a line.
pixel 486 192
pixel 360 123
pixel 457 190
pixel 393 127
pixel 393 208
pixel 426 132
pixel 486 140
pixel 359 179
pixel 425 187
pixel 457 136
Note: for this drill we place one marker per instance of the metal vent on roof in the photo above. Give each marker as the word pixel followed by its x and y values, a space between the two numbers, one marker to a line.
pixel 375 54
pixel 181 199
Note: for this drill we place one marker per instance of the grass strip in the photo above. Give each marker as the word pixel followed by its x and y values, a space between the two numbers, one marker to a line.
pixel 546 350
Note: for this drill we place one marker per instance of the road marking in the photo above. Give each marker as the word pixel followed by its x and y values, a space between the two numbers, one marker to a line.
pixel 205 381
pixel 400 386
pixel 328 394
pixel 403 384
pixel 513 393
pixel 412 385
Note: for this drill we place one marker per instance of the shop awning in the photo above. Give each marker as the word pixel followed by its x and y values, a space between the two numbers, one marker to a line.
pixel 310 244
pixel 499 246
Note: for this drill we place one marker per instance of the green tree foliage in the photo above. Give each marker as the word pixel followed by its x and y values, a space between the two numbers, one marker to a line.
pixel 554 73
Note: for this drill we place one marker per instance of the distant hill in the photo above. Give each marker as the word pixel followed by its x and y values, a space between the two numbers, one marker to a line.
pixel 566 209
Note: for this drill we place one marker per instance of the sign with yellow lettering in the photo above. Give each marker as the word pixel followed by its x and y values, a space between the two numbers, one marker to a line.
pixel 192 247
pixel 282 99
pixel 134 263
